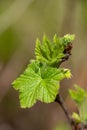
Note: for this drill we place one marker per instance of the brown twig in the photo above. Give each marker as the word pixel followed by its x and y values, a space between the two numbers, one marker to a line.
pixel 61 102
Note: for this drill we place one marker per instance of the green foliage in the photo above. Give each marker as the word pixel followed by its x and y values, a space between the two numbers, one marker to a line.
pixel 83 111
pixel 76 117
pixel 41 80
pixel 67 39
pixel 80 97
pixel 52 52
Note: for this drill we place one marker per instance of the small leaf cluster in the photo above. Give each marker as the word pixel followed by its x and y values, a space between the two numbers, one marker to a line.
pixel 41 79
pixel 52 53
pixel 79 95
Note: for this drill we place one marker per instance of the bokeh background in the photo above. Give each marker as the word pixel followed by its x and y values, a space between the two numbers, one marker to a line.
pixel 21 22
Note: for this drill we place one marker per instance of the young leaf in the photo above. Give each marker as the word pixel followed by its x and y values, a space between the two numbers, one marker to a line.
pixel 39 82
pixel 52 52
pixel 76 117
pixel 83 111
pixel 67 39
pixel 80 97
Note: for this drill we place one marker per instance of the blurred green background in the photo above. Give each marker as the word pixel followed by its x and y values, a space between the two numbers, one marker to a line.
pixel 21 22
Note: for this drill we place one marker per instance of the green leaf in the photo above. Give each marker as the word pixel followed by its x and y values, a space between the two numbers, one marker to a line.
pixel 39 82
pixel 52 52
pixel 76 117
pixel 83 110
pixel 78 95
pixel 68 39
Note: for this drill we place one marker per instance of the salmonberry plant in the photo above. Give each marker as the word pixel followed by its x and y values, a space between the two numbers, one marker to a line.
pixel 41 79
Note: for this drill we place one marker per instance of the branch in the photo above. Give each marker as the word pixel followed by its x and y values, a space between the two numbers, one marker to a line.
pixel 67 52
pixel 74 125
pixel 61 102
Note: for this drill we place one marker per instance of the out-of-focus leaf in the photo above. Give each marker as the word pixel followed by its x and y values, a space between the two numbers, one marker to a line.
pixel 83 111
pixel 78 95
pixel 76 117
